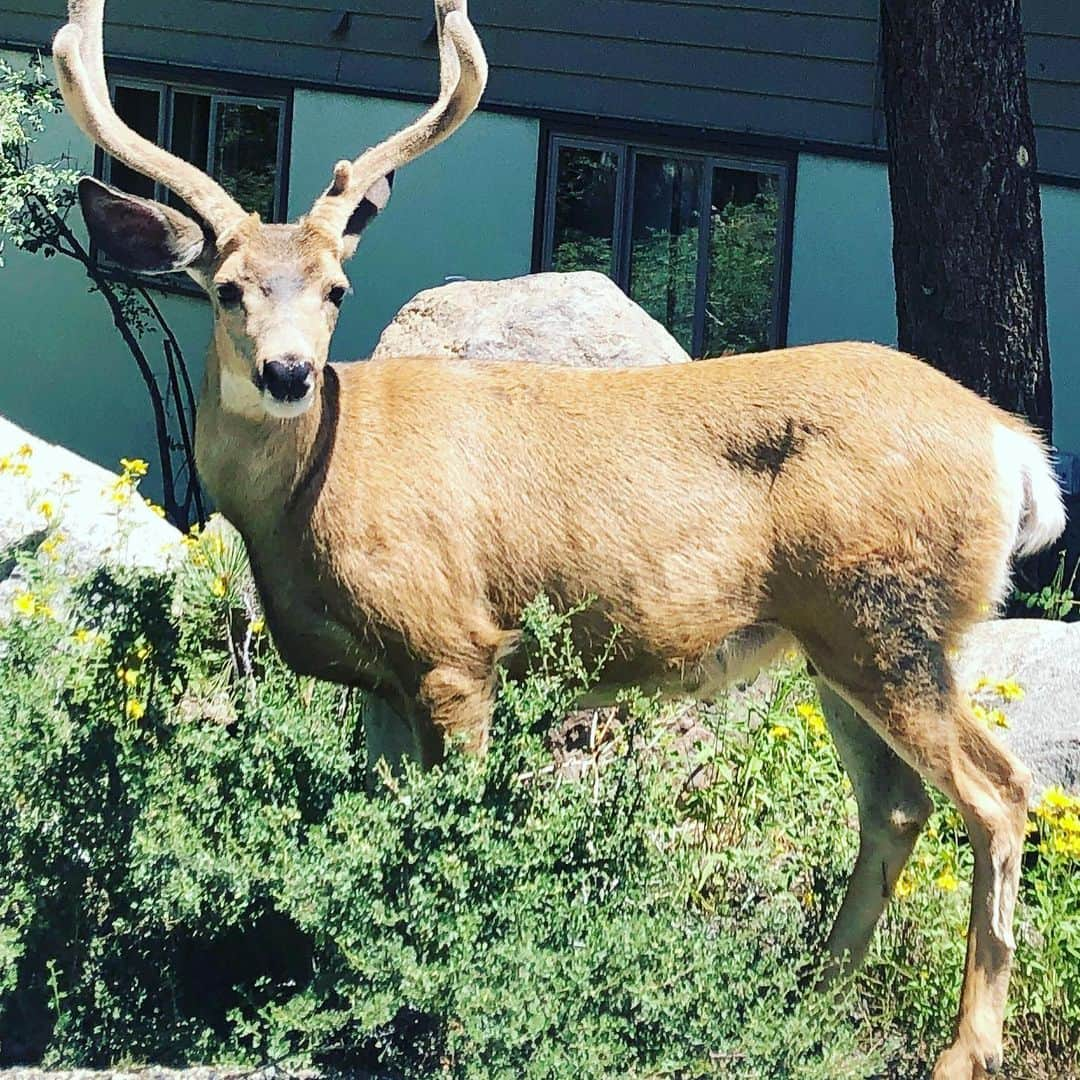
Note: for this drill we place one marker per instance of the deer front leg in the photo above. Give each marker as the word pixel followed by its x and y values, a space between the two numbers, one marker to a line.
pixel 458 690
pixel 458 705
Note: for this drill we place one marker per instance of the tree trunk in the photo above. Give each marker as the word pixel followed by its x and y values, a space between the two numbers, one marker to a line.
pixel 967 224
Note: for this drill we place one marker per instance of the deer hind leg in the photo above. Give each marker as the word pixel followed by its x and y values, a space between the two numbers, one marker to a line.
pixel 893 807
pixel 917 710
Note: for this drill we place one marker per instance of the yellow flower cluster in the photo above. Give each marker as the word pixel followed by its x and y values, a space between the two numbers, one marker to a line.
pixel 51 544
pixel 813 718
pixel 202 546
pixel 17 464
pixel 1058 814
pixel 129 674
pixel 1004 690
pixel 31 607
pixel 990 717
pixel 134 467
pixel 123 487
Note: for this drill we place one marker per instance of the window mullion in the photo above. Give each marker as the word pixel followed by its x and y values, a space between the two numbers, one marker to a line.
pixel 547 255
pixel 624 211
pixel 701 281
pixel 164 139
pixel 211 139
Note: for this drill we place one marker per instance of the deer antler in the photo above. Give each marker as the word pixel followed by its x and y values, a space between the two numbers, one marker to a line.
pixel 80 69
pixel 462 77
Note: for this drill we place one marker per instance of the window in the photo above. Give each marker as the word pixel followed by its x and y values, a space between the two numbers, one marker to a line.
pixel 237 140
pixel 695 239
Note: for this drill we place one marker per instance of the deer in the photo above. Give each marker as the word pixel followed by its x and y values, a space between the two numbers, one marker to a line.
pixel 844 499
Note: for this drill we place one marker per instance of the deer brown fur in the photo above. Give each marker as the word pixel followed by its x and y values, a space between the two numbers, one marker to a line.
pixel 400 513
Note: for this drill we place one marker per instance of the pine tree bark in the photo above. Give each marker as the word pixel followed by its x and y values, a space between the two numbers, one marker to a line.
pixel 967 222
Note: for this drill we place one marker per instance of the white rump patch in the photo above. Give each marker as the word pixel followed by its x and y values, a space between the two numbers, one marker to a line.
pixel 1030 492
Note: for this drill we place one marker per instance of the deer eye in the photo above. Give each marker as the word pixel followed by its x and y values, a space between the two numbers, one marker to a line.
pixel 337 294
pixel 229 294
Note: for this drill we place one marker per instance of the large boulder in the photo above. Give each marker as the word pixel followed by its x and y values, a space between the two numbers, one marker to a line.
pixel 83 514
pixel 582 319
pixel 1042 710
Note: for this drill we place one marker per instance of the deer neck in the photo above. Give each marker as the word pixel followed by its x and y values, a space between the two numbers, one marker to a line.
pixel 256 468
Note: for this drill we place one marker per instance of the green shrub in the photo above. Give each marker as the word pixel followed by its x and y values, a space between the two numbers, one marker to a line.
pixel 192 868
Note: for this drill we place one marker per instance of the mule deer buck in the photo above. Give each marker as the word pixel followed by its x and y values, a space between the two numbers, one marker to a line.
pixel 399 514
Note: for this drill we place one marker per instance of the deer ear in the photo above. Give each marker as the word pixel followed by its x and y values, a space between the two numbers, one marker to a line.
pixel 375 199
pixel 139 234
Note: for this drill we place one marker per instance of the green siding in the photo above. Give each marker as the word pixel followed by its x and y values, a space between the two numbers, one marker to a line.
pixel 1061 239
pixel 841 268
pixel 464 209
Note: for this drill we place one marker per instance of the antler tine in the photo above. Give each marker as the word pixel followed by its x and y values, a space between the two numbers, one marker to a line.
pixel 462 77
pixel 80 68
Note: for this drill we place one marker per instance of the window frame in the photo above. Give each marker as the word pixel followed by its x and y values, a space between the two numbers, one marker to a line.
pixel 166 89
pixel 628 147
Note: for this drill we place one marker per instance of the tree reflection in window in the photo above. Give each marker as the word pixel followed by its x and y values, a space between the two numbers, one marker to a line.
pixel 584 222
pixel 637 215
pixel 236 139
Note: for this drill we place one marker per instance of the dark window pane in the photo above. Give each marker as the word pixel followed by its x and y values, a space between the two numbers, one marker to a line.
pixel 745 218
pixel 245 154
pixel 139 110
pixel 584 225
pixel 664 241
pixel 190 134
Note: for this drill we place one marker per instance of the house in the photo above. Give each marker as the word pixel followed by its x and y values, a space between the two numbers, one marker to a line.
pixel 723 161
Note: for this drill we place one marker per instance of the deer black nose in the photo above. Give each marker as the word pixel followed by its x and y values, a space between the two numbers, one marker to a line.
pixel 288 379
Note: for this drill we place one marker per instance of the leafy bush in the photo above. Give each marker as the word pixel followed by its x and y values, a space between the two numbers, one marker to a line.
pixel 192 868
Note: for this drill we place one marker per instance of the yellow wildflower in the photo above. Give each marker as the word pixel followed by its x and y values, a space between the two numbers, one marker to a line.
pixel 135 709
pixel 24 604
pixel 989 717
pixel 218 586
pixel 25 451
pixel 49 545
pixel 1066 845
pixel 780 731
pixel 66 478
pixel 947 881
pixel 1069 822
pixel 1009 690
pixel 1056 798
pixel 142 652
pixel 134 466
pixel 47 508
pixel 905 886
pixel 155 509
pixel 258 625
pixel 82 636
pixel 128 676
pixel 812 717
